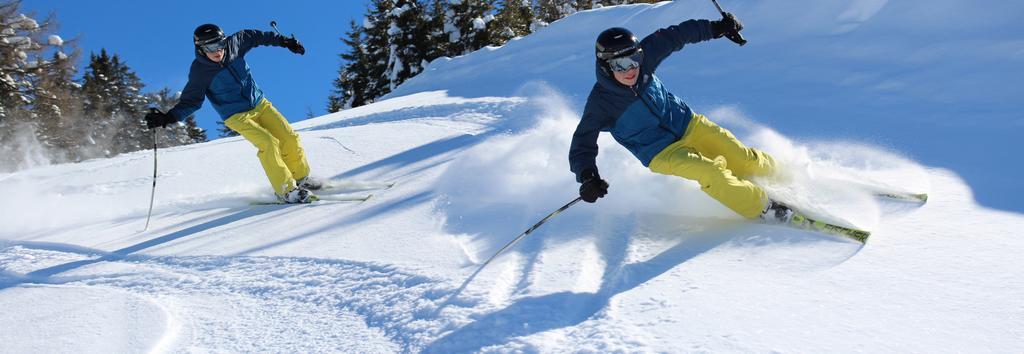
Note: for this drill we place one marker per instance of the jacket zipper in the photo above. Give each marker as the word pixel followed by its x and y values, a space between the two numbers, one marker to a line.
pixel 241 89
pixel 233 74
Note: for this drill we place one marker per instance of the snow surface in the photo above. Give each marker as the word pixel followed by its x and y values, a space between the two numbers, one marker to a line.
pixel 477 146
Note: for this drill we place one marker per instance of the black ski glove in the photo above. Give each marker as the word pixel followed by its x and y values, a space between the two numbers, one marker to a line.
pixel 155 118
pixel 729 27
pixel 593 186
pixel 293 45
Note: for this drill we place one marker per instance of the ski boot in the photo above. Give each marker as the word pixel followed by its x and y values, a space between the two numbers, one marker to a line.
pixel 310 183
pixel 298 195
pixel 776 213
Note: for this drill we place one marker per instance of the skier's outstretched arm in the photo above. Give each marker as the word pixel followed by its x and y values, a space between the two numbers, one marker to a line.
pixel 663 42
pixel 249 39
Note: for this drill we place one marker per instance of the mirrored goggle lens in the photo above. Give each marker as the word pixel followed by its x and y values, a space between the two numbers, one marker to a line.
pixel 213 47
pixel 627 62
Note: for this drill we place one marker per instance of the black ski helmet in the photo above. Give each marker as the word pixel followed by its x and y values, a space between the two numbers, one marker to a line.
pixel 613 43
pixel 207 33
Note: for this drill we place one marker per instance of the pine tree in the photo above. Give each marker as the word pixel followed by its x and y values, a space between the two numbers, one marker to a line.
pixel 407 42
pixel 391 46
pixel 466 25
pixel 549 11
pixel 437 38
pixel 113 99
pixel 129 109
pixel 97 97
pixel 351 87
pixel 377 41
pixel 513 19
pixel 24 61
pixel 17 45
pixel 57 107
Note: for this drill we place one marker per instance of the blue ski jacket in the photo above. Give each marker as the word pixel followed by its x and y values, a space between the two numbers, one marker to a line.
pixel 644 118
pixel 229 84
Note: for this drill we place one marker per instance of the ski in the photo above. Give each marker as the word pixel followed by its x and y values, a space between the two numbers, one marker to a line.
pixel 883 192
pixel 801 221
pixel 334 187
pixel 909 197
pixel 886 193
pixel 324 199
pixel 343 197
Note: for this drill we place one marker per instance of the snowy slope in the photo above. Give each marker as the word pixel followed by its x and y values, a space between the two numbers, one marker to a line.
pixel 477 147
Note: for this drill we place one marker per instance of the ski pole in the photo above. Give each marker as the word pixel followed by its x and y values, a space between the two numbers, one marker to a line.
pixel 514 241
pixel 152 193
pixel 274 25
pixel 528 231
pixel 734 36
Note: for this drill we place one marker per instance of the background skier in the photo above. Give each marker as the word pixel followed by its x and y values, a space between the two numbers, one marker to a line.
pixel 629 101
pixel 220 73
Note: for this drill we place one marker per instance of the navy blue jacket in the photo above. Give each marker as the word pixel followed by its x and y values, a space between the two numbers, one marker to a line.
pixel 229 84
pixel 644 118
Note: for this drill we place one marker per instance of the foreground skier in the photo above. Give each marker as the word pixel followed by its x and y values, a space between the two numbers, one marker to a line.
pixel 660 130
pixel 220 72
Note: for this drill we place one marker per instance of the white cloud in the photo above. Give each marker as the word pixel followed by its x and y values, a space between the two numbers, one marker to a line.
pixel 857 13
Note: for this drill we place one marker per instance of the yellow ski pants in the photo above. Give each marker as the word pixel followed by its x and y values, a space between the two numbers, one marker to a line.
pixel 712 156
pixel 278 145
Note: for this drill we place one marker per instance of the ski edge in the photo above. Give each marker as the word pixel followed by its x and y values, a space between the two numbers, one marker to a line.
pixel 321 199
pixel 343 198
pixel 361 186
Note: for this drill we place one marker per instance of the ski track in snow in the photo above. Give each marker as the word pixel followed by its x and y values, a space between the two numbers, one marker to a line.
pixel 296 301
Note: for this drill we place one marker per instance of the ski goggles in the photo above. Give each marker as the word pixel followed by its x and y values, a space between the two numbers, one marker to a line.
pixel 628 62
pixel 214 46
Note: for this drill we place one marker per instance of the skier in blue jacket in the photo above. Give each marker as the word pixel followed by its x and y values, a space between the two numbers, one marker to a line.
pixel 631 103
pixel 220 73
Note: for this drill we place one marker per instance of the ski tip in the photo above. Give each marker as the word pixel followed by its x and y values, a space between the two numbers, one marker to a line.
pixel 910 197
pixel 860 236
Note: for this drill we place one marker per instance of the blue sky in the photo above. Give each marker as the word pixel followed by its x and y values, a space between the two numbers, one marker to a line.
pixel 155 39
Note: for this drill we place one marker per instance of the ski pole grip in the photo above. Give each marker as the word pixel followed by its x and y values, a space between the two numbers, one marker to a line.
pixel 274 25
